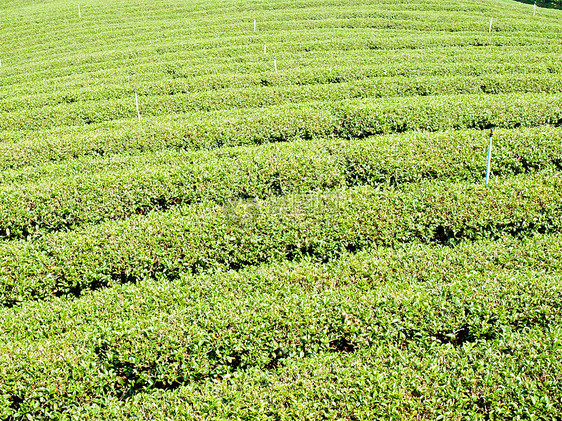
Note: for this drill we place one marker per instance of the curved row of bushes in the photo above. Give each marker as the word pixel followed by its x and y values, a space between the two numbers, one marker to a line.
pixel 320 226
pixel 110 103
pixel 68 195
pixel 352 119
pixel 296 68
pixel 108 347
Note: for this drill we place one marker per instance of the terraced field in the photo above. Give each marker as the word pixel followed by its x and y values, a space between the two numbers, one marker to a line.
pixel 294 225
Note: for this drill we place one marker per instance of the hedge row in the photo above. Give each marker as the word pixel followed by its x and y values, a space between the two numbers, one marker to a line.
pixel 328 41
pixel 128 33
pixel 397 155
pixel 321 226
pixel 302 65
pixel 154 101
pixel 317 49
pixel 108 347
pixel 133 29
pixel 349 119
pixel 424 265
pixel 384 382
pixel 453 21
pixel 65 196
pixel 240 44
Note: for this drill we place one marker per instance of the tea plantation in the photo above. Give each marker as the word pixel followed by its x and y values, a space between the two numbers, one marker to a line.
pixel 276 209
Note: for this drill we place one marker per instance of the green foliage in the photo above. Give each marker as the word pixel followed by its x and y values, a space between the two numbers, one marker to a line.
pixel 321 226
pixel 309 243
pixel 206 332
pixel 351 119
pixel 65 196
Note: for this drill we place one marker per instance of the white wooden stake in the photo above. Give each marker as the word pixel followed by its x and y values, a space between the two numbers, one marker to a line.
pixel 535 9
pixel 489 157
pixel 137 103
pixel 490 29
pixel 79 12
pixel 275 64
pixel 265 48
pixel 254 25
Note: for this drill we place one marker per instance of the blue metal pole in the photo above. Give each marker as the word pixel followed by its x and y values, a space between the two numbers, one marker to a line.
pixel 489 156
